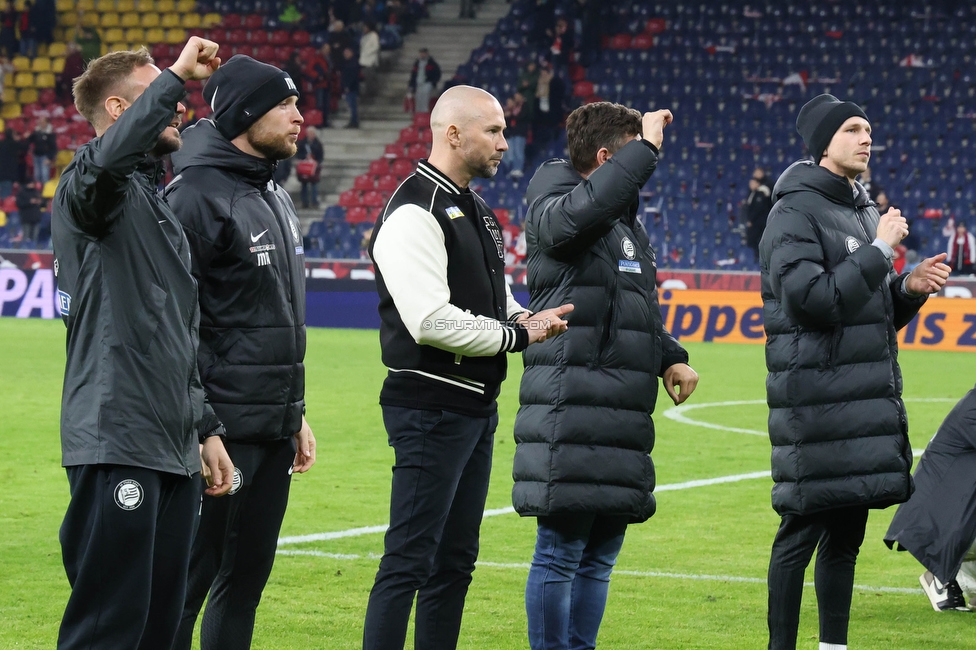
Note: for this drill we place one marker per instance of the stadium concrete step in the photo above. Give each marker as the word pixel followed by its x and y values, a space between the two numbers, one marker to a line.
pixel 348 152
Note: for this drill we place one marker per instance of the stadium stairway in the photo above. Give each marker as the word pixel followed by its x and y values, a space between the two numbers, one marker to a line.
pixel 348 152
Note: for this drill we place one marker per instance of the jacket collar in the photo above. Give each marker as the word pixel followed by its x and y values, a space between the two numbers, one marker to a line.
pixel 153 169
pixel 438 177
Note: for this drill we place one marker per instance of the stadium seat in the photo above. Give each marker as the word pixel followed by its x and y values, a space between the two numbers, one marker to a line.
pixel 402 167
pixel 357 214
pixel 186 6
pixel 363 182
pixel 176 35
pixel 44 80
pixel 279 37
pixel 374 199
pixel 108 19
pixel 24 80
pixel 10 110
pixel 152 20
pixel 89 19
pixel 191 21
pixel 300 37
pixel 41 64
pixel 379 167
pixel 130 19
pixel 421 119
pixel 313 117
pixel 211 19
pixel 165 6
pixel 65 6
pixel 113 35
pixel 156 35
pixel 347 199
pixel 21 63
pixel 238 35
pixel 171 20
pixel 258 37
pixel 145 6
pixel 417 151
pixel 253 21
pixel 9 94
pixel 123 6
pixel 232 21
pixel 47 97
pixel 69 19
pixel 102 6
pixel 135 35
pixel 387 183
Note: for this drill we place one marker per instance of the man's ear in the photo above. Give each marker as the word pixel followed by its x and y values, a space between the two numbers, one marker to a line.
pixel 454 136
pixel 114 107
pixel 602 156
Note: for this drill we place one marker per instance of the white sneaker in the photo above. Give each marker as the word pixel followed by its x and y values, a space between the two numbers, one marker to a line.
pixel 944 597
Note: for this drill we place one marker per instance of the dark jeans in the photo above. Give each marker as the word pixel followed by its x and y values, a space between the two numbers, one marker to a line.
pixel 352 98
pixel 310 194
pixel 440 482
pixel 837 536
pixel 234 548
pixel 566 592
pixel 125 542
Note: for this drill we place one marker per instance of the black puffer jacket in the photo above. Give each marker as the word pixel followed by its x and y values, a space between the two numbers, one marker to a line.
pixel 248 258
pixel 832 306
pixel 584 429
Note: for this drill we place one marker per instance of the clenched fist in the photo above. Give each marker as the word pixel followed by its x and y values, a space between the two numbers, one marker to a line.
pixel 893 227
pixel 652 125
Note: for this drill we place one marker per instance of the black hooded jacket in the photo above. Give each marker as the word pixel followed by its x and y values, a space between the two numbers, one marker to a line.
pixel 248 257
pixel 832 306
pixel 584 428
pixel 132 392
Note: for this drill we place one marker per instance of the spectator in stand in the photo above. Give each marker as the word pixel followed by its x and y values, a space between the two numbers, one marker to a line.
pixel 29 203
pixel 550 96
pixel 518 119
pixel 528 81
pixel 754 213
pixel 369 55
pixel 759 174
pixel 310 149
pixel 339 39
pixel 27 30
pixel 424 78
pixel 23 149
pixel 294 68
pixel 9 150
pixel 320 72
pixel 88 40
pixel 44 18
pixel 561 46
pixel 290 16
pixel 8 31
pixel 45 144
pixel 350 85
pixel 74 66
pixel 962 251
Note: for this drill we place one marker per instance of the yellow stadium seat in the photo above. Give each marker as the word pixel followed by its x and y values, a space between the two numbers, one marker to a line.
pixel 61 34
pixel 118 47
pixel 89 19
pixel 44 80
pixel 113 35
pixel 65 156
pixel 186 6
pixel 3 125
pixel 55 50
pixel 9 95
pixel 125 5
pixel 68 20
pixel 104 5
pixel 57 65
pixel 41 64
pixel 135 35
pixel 109 19
pixel 175 36
pixel 145 6
pixel 85 5
pixel 155 35
pixel 150 20
pixel 21 63
pixel 212 20
pixel 50 188
pixel 27 95
pixel 24 80
pixel 170 20
pixel 65 6
pixel 104 49
pixel 10 110
pixel 131 19
pixel 191 21
pixel 8 80
pixel 165 6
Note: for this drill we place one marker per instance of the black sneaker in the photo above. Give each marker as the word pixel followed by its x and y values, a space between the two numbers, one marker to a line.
pixel 944 597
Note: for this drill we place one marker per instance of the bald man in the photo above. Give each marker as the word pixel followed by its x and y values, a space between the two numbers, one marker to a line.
pixel 448 319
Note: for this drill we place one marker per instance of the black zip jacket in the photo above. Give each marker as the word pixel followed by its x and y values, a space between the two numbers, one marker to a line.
pixel 248 258
pixel 832 306
pixel 132 394
pixel 584 428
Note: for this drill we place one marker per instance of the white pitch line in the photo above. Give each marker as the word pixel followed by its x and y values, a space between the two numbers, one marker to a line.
pixel 370 530
pixel 618 572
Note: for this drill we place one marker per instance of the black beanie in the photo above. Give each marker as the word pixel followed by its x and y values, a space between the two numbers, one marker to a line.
pixel 242 90
pixel 819 120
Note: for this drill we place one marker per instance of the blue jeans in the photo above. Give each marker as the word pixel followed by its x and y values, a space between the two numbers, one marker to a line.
pixel 516 153
pixel 566 592
pixel 352 98
pixel 42 169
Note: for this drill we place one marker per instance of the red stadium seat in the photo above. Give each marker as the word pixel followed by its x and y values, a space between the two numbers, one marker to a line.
pixel 266 53
pixel 417 151
pixel 160 51
pixel 47 97
pixel 357 214
pixel 393 150
pixel 301 37
pixel 313 117
pixel 501 214
pixel 259 37
pixel 306 53
pixel 620 42
pixel 387 183
pixel 235 36
pixel 421 119
pixel 64 141
pixel 218 36
pixel 402 167
pixel 253 21
pixel 350 198
pixel 409 135
pixel 363 182
pixel 583 88
pixel 643 42
pixel 243 48
pixel 426 136
pixel 279 37
pixel 379 167
pixel 373 199
pixel 231 20
pixel 283 53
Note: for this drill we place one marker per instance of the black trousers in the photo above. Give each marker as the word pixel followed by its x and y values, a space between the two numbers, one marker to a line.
pixel 440 483
pixel 837 536
pixel 125 543
pixel 234 548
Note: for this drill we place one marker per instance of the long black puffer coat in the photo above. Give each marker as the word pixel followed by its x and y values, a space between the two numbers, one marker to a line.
pixel 584 429
pixel 832 306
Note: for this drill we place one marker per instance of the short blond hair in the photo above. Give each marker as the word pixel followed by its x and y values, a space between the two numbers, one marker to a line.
pixel 104 77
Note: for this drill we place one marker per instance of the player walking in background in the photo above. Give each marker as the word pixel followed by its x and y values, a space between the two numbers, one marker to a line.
pixel 246 252
pixel 448 319
pixel 832 307
pixel 584 429
pixel 132 406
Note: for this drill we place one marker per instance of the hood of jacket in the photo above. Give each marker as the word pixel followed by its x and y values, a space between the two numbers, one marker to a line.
pixel 806 176
pixel 204 146
pixel 555 175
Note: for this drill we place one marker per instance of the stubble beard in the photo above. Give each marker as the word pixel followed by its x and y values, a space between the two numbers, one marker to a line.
pixel 271 146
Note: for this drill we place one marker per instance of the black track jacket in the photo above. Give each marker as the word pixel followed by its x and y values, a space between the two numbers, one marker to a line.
pixel 249 260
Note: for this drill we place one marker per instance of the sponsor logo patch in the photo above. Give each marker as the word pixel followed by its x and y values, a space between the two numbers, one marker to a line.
pixel 454 212
pixel 628 249
pixel 64 302
pixel 128 494
pixel 852 244
pixel 628 266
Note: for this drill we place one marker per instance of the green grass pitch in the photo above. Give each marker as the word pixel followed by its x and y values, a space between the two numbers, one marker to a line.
pixel 691 577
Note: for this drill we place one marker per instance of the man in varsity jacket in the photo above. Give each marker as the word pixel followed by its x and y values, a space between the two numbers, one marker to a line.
pixel 447 320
